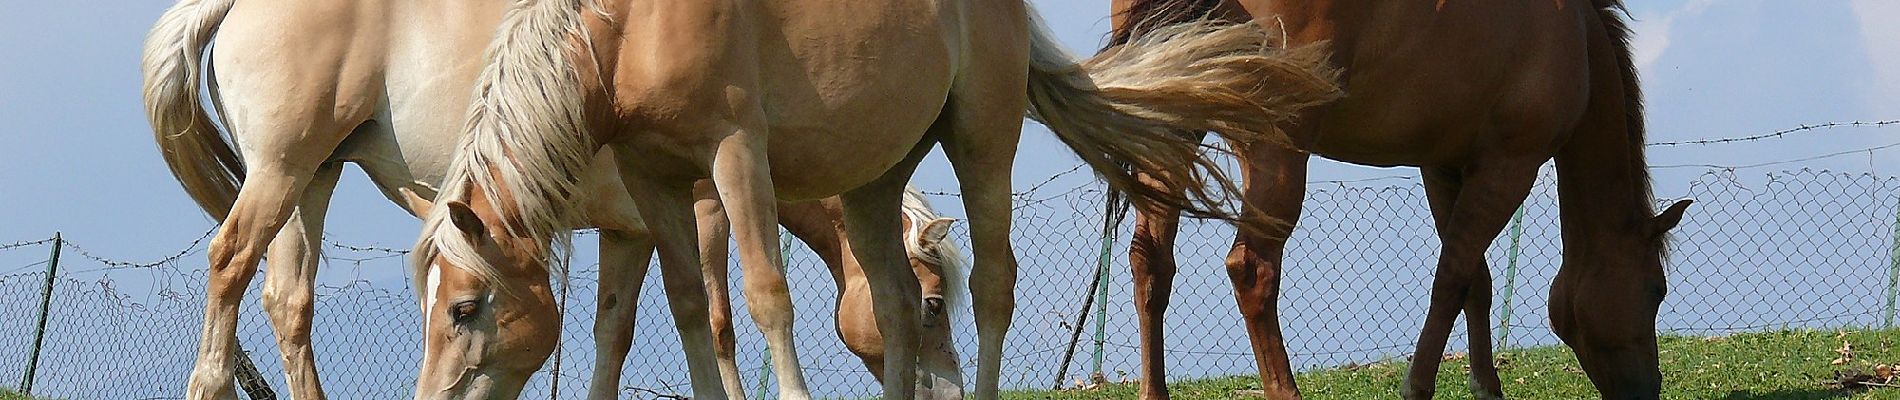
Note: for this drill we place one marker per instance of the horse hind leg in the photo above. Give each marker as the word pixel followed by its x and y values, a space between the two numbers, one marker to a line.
pixel 624 259
pixel 1275 178
pixel 263 207
pixel 285 152
pixel 290 280
pixel 1470 207
pixel 1151 261
pixel 744 180
pixel 715 229
pixel 667 209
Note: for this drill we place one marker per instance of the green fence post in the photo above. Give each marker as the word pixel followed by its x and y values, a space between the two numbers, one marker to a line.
pixel 1101 302
pixel 39 333
pixel 1893 270
pixel 1510 279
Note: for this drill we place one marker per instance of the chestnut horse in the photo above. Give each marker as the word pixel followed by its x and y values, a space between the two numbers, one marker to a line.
pixel 788 101
pixel 1477 94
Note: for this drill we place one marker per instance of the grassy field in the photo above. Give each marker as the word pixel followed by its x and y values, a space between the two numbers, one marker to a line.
pixel 1773 365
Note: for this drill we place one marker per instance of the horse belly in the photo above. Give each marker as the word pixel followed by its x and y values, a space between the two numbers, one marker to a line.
pixel 848 98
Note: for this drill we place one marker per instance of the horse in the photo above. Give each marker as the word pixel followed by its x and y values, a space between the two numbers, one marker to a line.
pixel 295 147
pixel 937 262
pixel 1478 95
pixel 786 101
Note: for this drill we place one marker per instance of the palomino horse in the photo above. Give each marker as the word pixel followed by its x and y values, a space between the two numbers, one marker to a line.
pixel 1478 94
pixel 389 101
pixel 937 262
pixel 788 100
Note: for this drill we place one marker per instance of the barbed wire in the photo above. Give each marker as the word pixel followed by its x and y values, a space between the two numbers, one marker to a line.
pixel 10 246
pixel 365 248
pixel 1775 134
pixel 118 264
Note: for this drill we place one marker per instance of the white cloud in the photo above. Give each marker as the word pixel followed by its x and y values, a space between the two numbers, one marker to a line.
pixel 1652 31
pixel 1880 34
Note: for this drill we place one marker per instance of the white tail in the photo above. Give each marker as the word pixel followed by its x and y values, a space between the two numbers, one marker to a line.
pixel 201 158
pixel 1139 107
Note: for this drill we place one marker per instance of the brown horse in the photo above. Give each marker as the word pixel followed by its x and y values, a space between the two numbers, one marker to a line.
pixel 1477 94
pixel 789 101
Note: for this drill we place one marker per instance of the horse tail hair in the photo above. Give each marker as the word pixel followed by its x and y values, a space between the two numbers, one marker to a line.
pixel 1140 107
pixel 1143 16
pixel 203 159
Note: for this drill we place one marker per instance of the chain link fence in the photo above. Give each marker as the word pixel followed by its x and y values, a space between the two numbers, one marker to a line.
pixel 1792 249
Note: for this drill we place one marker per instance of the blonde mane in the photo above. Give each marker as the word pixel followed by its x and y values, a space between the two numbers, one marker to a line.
pixel 526 136
pixel 945 255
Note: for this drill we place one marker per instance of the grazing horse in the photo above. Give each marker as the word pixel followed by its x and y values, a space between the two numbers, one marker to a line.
pixel 1477 94
pixel 937 262
pixel 389 100
pixel 786 100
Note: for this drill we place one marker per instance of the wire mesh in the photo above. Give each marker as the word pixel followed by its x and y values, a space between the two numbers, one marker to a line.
pixel 1796 249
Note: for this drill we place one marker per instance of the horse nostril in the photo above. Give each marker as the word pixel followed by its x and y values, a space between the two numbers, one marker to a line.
pixel 933 306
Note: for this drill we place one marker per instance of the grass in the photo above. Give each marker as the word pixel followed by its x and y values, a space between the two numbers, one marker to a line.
pixel 1773 365
pixel 9 394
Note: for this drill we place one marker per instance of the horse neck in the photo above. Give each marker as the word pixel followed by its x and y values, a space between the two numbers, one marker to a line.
pixel 1602 174
pixel 1603 190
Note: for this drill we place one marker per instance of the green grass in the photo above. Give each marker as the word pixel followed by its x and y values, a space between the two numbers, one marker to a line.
pixel 9 394
pixel 1772 365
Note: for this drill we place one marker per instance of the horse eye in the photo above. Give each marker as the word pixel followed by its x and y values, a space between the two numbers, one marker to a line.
pixel 464 311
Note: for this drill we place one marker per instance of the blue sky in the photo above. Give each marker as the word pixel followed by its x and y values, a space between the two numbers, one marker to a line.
pixel 76 155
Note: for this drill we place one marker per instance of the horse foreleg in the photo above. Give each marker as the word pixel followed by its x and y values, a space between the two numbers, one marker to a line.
pixel 290 280
pixel 1275 178
pixel 1470 207
pixel 624 259
pixel 1151 259
pixel 715 230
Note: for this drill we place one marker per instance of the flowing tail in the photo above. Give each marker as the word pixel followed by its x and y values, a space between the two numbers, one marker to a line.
pixel 1136 107
pixel 201 158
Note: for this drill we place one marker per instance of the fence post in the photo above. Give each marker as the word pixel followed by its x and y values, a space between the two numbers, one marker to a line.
pixel 1101 302
pixel 39 332
pixel 1893 270
pixel 1113 209
pixel 1510 279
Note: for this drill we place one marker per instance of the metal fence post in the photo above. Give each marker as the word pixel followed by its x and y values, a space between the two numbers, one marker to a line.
pixel 39 333
pixel 1101 303
pixel 1893 270
pixel 1510 279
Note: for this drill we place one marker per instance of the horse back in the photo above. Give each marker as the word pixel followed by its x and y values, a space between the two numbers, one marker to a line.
pixel 1435 82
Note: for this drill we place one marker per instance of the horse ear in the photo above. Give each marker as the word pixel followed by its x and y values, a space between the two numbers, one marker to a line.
pixel 417 205
pixel 935 232
pixel 1668 219
pixel 465 219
